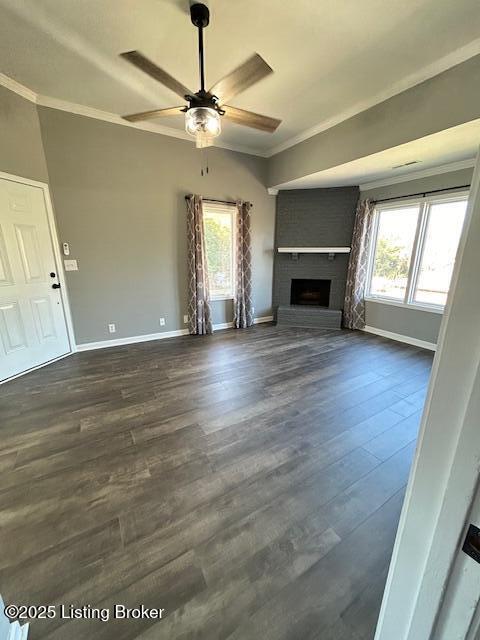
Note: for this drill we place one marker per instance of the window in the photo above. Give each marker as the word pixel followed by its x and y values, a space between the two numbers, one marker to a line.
pixel 444 226
pixel 413 251
pixel 219 223
pixel 393 250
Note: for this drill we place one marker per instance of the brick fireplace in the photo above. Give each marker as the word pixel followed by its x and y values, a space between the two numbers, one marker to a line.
pixel 309 288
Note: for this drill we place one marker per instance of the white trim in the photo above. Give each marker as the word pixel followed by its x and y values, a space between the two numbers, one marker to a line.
pixel 230 211
pixel 423 217
pixel 405 305
pixel 60 268
pixel 52 225
pixel 401 338
pixel 313 249
pixel 14 178
pixel 18 88
pixel 113 118
pixel 230 325
pixel 11 630
pixel 118 342
pixel 222 325
pixel 444 475
pixel 38 366
pixel 417 175
pixel 439 66
pixel 443 64
pixel 106 116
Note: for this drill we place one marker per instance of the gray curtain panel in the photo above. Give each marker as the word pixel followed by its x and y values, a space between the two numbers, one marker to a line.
pixel 243 315
pixel 199 311
pixel 354 308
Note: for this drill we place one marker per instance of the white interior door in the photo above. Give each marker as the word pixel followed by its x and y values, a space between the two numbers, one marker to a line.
pixel 433 588
pixel 33 328
pixel 459 617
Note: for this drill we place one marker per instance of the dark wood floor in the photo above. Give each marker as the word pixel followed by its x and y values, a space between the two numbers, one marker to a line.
pixel 249 483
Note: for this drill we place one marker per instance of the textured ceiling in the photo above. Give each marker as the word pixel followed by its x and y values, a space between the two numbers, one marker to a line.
pixel 330 56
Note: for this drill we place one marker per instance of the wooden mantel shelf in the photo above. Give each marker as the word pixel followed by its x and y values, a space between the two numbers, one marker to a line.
pixel 313 249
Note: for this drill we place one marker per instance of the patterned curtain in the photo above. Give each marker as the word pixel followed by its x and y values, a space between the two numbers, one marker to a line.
pixel 199 312
pixel 243 316
pixel 354 308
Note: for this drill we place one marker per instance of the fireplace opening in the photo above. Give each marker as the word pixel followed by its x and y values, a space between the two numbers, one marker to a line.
pixel 310 292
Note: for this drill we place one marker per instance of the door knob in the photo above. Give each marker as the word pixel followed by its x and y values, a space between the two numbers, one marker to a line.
pixel 55 286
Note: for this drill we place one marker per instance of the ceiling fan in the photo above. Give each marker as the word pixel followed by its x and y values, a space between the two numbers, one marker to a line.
pixel 206 108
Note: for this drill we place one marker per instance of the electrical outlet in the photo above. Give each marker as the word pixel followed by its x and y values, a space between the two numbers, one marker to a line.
pixel 185 319
pixel 112 328
pixel 162 322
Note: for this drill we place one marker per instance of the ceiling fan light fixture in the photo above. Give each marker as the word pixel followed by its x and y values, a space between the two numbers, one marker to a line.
pixel 206 107
pixel 203 123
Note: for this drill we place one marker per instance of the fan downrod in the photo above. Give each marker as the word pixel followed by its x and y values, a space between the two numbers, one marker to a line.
pixel 200 15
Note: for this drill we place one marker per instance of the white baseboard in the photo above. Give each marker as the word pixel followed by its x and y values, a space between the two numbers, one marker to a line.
pixel 401 338
pixel 104 344
pixel 230 325
pixel 222 325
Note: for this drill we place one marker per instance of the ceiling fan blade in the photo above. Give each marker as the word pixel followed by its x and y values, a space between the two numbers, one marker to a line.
pixel 244 76
pixel 151 69
pixel 156 113
pixel 250 119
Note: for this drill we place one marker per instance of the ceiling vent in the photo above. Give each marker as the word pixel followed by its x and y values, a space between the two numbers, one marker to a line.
pixel 406 164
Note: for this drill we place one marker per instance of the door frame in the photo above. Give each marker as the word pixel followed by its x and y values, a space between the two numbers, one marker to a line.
pixel 444 475
pixel 52 227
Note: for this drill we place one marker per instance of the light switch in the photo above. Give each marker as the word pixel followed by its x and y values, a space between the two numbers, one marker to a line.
pixel 70 265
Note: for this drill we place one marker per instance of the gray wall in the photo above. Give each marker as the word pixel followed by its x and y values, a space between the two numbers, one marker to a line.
pixel 446 100
pixel 415 323
pixel 422 325
pixel 21 150
pixel 118 195
pixel 313 217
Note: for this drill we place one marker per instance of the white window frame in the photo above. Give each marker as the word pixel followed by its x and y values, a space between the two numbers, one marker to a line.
pixel 418 247
pixel 232 211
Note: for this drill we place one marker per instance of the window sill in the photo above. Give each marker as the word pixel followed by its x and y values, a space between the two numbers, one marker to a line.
pixel 406 305
pixel 215 298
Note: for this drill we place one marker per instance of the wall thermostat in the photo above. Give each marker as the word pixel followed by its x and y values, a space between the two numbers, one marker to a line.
pixel 66 249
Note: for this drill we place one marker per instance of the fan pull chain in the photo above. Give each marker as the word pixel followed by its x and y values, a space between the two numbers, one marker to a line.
pixel 203 162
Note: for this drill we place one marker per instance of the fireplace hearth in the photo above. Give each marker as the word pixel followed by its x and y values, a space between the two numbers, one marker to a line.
pixel 311 292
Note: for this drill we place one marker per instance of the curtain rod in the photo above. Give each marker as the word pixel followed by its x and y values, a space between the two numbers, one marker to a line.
pixel 422 193
pixel 212 200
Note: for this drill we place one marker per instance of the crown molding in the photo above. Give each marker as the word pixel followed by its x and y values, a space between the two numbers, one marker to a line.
pixel 425 73
pixel 439 66
pixel 416 175
pixel 106 116
pixel 18 88
pixel 113 118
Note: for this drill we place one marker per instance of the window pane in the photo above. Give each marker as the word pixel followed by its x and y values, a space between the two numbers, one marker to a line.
pixel 444 226
pixel 393 251
pixel 219 246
